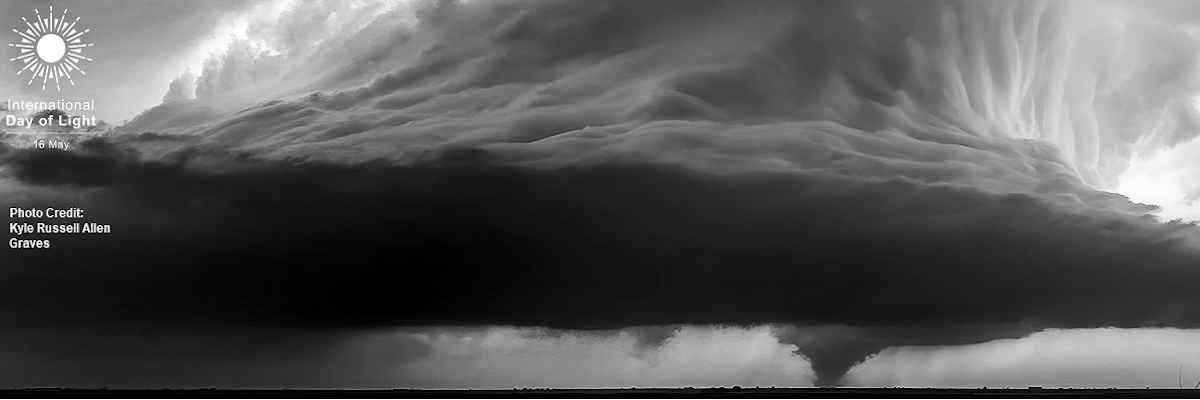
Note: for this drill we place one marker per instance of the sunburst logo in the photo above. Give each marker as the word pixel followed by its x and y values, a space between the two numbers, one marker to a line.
pixel 51 49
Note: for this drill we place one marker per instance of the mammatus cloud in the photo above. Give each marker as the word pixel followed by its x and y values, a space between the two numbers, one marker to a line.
pixel 874 174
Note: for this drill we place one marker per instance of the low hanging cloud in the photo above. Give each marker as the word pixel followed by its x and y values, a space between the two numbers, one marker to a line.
pixel 928 176
pixel 689 356
pixel 1098 358
pixel 460 357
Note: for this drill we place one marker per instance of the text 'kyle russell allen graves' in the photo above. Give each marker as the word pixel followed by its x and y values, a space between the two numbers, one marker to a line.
pixel 21 229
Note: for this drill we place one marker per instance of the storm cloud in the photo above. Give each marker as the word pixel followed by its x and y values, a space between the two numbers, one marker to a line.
pixel 462 241
pixel 866 174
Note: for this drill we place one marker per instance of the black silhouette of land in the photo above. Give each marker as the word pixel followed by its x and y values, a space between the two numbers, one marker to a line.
pixel 607 393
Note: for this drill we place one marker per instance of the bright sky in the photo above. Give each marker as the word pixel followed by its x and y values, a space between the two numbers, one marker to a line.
pixel 140 47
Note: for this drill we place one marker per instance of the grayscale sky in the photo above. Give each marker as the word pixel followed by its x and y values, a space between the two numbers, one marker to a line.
pixel 386 193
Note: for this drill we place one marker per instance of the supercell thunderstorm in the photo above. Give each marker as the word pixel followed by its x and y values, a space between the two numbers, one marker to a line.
pixel 863 174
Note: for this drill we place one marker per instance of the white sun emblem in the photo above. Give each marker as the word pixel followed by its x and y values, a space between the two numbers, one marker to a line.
pixel 51 49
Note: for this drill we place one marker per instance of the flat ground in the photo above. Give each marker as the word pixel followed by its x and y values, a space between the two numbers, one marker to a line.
pixel 594 393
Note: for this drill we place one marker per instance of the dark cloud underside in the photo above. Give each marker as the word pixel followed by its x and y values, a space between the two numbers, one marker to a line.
pixel 462 240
